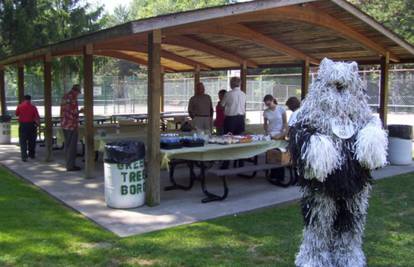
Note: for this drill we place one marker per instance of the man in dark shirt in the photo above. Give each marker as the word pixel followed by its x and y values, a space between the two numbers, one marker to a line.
pixel 28 121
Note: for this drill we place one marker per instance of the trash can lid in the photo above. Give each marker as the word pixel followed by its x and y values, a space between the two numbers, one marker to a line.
pixel 5 118
pixel 400 131
pixel 124 152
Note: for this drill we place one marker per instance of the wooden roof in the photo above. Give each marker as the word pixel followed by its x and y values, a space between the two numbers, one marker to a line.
pixel 258 33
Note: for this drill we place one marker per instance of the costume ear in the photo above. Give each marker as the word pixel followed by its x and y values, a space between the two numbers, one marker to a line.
pixel 354 66
pixel 325 63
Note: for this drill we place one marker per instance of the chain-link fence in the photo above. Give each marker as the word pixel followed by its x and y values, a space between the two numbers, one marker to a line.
pixel 116 95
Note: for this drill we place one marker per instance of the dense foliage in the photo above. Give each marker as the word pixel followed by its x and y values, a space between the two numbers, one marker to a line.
pixel 397 15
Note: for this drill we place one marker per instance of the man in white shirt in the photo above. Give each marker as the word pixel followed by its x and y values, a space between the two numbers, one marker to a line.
pixel 234 104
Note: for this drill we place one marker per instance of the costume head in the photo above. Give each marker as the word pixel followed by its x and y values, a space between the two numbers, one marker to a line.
pixel 336 94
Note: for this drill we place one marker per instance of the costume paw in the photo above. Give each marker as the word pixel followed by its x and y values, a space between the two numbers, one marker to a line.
pixel 321 157
pixel 371 146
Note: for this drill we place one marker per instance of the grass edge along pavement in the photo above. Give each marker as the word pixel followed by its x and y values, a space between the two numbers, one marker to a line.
pixel 37 230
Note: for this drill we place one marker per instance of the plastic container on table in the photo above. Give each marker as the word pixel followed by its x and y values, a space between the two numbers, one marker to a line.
pixel 400 144
pixel 124 168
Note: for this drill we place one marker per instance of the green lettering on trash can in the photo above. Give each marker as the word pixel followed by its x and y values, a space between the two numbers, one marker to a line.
pixel 132 189
pixel 120 166
pixel 124 190
pixel 139 175
pixel 124 176
pixel 132 176
pixel 136 165
pixel 133 182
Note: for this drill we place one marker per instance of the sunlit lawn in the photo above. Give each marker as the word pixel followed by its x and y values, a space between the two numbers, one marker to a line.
pixel 36 230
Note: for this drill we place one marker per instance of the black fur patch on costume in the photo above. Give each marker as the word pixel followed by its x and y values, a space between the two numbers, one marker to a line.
pixel 344 220
pixel 335 186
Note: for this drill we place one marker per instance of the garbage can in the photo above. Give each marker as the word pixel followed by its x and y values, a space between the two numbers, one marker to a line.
pixel 124 174
pixel 400 144
pixel 5 129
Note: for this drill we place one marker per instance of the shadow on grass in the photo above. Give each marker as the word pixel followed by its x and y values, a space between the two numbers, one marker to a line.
pixel 36 230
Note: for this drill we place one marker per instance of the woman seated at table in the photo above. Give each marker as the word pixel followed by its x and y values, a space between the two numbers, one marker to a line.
pixel 275 122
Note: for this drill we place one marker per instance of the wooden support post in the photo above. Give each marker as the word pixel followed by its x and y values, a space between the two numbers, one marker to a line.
pixel 243 77
pixel 196 77
pixel 88 110
pixel 153 134
pixel 20 82
pixel 162 90
pixel 383 108
pixel 305 79
pixel 2 91
pixel 47 74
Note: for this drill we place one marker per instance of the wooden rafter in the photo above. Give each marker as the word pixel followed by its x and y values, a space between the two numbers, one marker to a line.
pixel 142 48
pixel 128 57
pixel 312 15
pixel 195 44
pixel 248 34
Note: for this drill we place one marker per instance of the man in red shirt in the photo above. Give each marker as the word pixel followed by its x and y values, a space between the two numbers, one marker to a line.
pixel 69 114
pixel 28 121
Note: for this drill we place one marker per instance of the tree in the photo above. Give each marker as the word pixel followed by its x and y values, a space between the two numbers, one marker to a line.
pixel 148 8
pixel 28 24
pixel 397 15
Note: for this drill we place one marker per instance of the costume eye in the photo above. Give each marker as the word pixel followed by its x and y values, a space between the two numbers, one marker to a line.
pixel 339 86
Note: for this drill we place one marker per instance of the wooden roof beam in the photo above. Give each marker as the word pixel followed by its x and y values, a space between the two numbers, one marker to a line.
pixel 312 15
pixel 128 57
pixel 244 32
pixel 164 54
pixel 195 44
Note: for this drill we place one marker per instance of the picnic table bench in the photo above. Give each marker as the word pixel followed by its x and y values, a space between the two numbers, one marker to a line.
pixel 225 173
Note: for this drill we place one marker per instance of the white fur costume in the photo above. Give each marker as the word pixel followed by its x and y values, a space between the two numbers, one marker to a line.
pixel 334 144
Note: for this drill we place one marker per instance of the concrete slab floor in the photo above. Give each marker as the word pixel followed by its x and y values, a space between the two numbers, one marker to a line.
pixel 177 207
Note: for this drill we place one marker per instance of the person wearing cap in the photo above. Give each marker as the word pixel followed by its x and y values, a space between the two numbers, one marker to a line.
pixel 28 121
pixel 200 109
pixel 69 113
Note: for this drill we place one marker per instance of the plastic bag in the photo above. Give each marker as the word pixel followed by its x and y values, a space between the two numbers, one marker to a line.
pixel 124 152
pixel 5 118
pixel 400 131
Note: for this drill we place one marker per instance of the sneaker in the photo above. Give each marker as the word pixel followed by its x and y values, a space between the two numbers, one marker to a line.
pixel 74 169
pixel 24 160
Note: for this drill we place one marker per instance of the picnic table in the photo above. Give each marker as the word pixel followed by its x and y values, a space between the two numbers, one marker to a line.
pixel 199 156
pixel 108 128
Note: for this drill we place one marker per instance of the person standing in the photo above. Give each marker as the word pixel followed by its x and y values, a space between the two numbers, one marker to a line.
pixel 275 122
pixel 200 109
pixel 234 103
pixel 293 103
pixel 28 121
pixel 69 114
pixel 219 122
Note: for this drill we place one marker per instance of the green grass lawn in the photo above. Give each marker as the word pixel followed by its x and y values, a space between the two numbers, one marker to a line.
pixel 36 230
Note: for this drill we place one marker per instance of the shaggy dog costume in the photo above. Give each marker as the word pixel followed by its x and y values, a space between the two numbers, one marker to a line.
pixel 334 145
